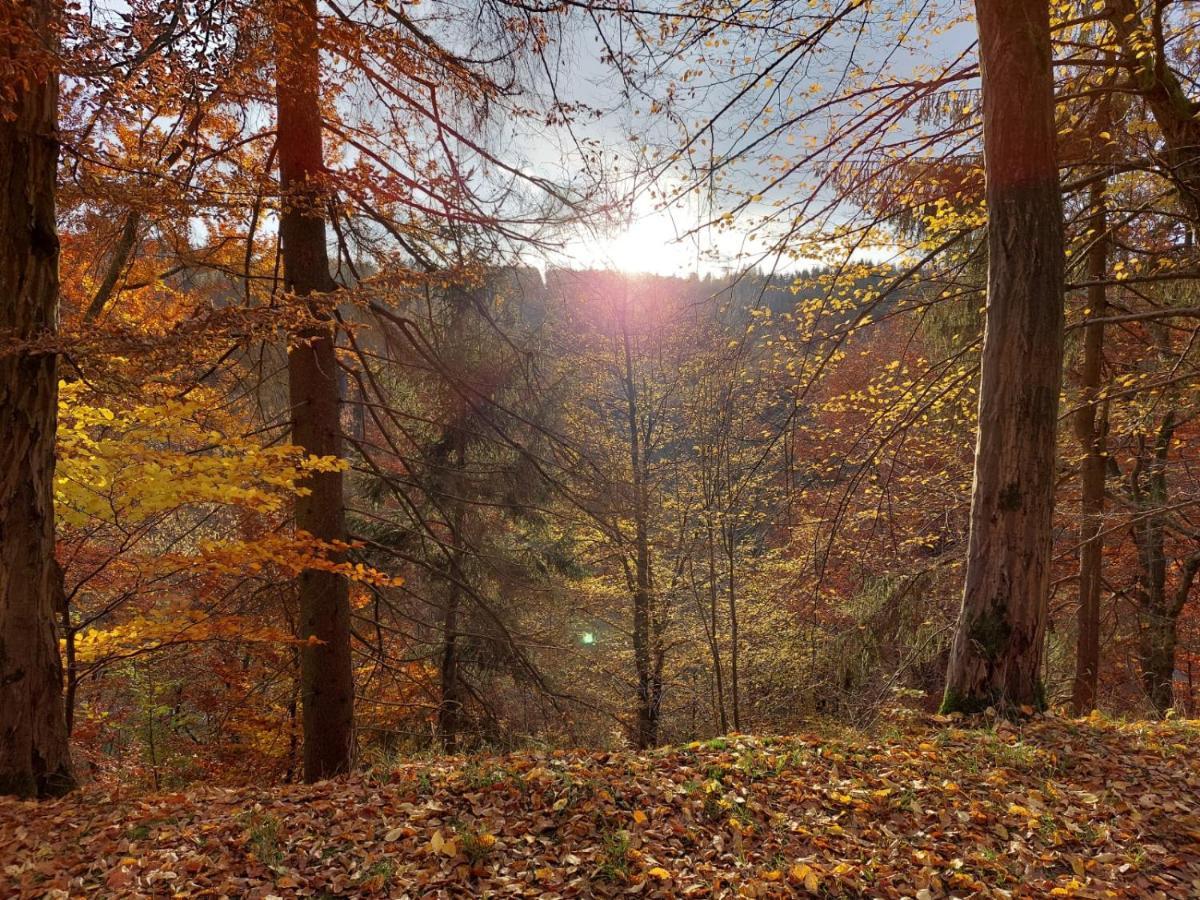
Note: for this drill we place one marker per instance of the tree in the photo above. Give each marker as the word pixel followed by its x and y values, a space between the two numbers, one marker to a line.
pixel 997 651
pixel 34 756
pixel 1090 425
pixel 647 655
pixel 1159 604
pixel 327 682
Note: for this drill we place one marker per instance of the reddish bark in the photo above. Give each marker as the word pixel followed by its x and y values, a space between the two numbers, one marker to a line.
pixel 997 651
pixel 326 675
pixel 34 755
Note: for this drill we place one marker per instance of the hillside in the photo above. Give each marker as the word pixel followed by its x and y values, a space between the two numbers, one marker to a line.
pixel 927 809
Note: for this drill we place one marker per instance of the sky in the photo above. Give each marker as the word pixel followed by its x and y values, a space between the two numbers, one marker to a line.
pixel 641 234
pixel 648 237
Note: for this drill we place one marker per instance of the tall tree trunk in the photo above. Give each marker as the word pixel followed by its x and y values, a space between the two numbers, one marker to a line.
pixel 1149 487
pixel 997 650
pixel 450 708
pixel 1090 429
pixel 646 714
pixel 72 667
pixel 713 645
pixel 731 597
pixel 1156 651
pixel 34 755
pixel 326 677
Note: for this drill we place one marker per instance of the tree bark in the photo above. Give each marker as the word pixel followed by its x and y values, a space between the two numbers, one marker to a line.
pixel 997 650
pixel 450 709
pixel 1156 649
pixel 116 265
pixel 34 754
pixel 731 595
pixel 713 645
pixel 1090 429
pixel 1149 487
pixel 648 689
pixel 326 676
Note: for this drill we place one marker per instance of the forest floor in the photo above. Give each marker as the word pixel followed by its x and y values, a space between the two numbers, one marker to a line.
pixel 926 808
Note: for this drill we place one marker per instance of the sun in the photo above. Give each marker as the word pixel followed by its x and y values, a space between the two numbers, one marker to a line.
pixel 650 245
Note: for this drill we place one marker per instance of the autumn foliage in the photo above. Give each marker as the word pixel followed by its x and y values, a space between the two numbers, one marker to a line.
pixel 335 444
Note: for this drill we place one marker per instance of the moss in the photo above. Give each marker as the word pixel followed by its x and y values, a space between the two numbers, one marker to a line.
pixel 955 702
pixel 990 632
pixel 1039 696
pixel 972 705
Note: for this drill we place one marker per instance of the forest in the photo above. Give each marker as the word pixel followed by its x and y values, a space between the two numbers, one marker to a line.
pixel 579 447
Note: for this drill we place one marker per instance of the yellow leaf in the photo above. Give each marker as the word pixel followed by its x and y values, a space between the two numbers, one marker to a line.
pixel 659 872
pixel 639 817
pixel 804 874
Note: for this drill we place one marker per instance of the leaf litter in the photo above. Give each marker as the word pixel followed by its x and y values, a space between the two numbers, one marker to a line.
pixel 929 808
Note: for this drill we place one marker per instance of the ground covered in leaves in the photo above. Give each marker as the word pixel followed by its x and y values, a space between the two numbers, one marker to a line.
pixel 1051 807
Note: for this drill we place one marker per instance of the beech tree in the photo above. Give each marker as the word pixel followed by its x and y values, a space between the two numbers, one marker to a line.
pixel 34 757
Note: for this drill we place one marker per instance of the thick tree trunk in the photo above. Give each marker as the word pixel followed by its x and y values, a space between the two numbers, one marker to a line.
pixel 997 650
pixel 34 755
pixel 1090 429
pixel 326 677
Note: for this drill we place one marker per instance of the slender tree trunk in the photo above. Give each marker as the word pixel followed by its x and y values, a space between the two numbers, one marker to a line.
pixel 1090 428
pixel 1161 608
pixel 34 755
pixel 72 669
pixel 714 647
pixel 293 708
pixel 997 651
pixel 1156 649
pixel 646 725
pixel 123 249
pixel 326 677
pixel 1149 487
pixel 450 709
pixel 731 597
pixel 451 706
